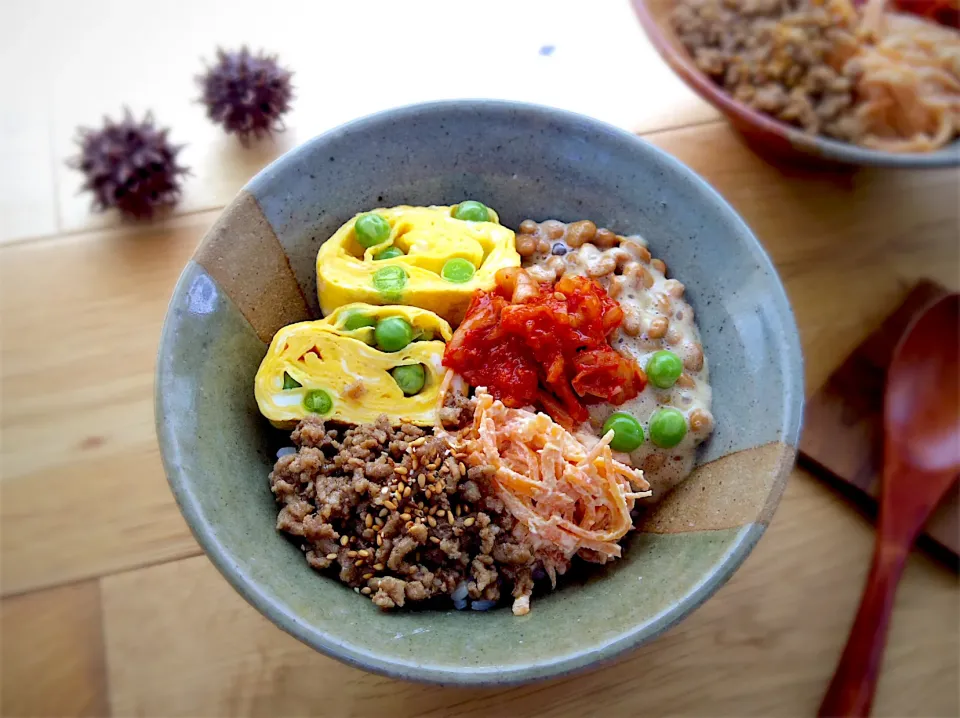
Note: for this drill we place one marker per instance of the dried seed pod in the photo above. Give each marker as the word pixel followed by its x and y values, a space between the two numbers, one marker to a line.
pixel 246 94
pixel 129 165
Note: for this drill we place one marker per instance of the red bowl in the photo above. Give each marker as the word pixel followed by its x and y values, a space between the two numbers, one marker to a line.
pixel 762 131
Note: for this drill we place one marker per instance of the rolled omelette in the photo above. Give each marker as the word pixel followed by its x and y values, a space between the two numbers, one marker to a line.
pixel 323 368
pixel 429 238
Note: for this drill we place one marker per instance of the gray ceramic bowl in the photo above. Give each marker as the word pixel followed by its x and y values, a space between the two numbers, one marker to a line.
pixel 254 273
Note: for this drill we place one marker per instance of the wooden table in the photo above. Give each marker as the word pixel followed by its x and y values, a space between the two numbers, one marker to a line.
pixel 108 605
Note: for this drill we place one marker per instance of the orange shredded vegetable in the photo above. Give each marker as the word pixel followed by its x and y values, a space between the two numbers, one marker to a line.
pixel 571 499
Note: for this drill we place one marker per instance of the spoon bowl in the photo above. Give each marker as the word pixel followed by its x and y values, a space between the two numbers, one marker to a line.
pixel 921 463
pixel 921 419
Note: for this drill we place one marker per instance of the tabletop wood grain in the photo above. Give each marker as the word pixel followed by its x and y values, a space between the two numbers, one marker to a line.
pixel 109 607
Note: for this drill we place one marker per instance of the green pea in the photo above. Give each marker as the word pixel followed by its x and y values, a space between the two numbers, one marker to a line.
pixel 388 253
pixel 371 229
pixel 472 211
pixel 664 368
pixel 457 270
pixel 410 378
pixel 317 401
pixel 390 281
pixel 627 432
pixel 289 382
pixel 393 334
pixel 356 319
pixel 667 427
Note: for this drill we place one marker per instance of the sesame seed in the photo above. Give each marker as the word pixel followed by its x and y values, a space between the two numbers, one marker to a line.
pixel 367 576
pixel 407 491
pixel 433 510
pixel 435 539
pixel 402 470
pixel 405 517
pixel 401 486
pixel 384 513
pixel 428 494
pixel 390 505
pixel 458 509
pixel 449 516
pixel 384 490
pixel 414 463
pixel 378 567
pixel 432 467
pixel 363 552
pixel 418 442
pixel 359 562
pixel 432 521
pixel 368 521
pixel 366 591
pixel 331 557
pixel 422 480
pixel 444 469
pixel 469 522
pixel 351 554
pixel 344 540
pixel 379 540
pixel 463 468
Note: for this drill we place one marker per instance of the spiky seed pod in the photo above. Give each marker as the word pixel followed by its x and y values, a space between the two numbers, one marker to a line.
pixel 129 165
pixel 246 94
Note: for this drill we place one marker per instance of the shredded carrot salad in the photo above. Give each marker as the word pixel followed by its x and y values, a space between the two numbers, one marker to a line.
pixel 572 499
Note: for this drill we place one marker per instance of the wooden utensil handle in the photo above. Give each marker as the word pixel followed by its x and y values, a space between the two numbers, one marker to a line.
pixel 851 691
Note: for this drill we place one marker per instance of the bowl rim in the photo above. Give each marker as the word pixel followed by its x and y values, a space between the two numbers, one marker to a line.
pixel 741 543
pixel 815 145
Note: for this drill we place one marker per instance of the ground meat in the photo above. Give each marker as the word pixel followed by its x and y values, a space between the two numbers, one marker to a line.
pixel 399 552
pixel 396 513
pixel 457 411
pixel 416 591
pixel 390 592
pixel 516 554
pixel 787 58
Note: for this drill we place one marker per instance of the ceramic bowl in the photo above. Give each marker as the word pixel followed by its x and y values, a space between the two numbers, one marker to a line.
pixel 768 135
pixel 254 272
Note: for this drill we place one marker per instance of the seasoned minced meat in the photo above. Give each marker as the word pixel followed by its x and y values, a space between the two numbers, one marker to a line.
pixel 397 515
pixel 785 58
pixel 457 411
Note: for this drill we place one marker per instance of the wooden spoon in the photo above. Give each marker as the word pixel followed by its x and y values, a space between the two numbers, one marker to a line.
pixel 921 421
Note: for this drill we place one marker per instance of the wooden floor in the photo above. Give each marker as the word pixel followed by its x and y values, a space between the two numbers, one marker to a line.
pixel 108 605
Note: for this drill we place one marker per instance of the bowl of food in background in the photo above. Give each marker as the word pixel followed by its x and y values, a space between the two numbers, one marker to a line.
pixel 874 83
pixel 478 392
